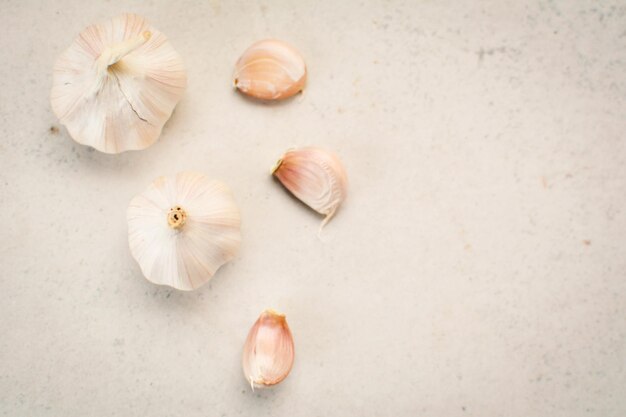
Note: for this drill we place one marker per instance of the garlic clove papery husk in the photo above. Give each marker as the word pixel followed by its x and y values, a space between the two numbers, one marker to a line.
pixel 268 352
pixel 270 70
pixel 182 229
pixel 117 84
pixel 316 177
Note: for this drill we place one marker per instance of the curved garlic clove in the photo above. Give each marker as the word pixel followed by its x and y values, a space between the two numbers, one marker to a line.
pixel 270 70
pixel 314 176
pixel 269 351
pixel 182 229
pixel 117 84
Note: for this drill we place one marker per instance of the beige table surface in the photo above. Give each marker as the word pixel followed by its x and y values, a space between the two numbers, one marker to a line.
pixel 477 268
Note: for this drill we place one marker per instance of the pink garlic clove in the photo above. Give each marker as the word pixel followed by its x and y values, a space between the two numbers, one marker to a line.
pixel 316 177
pixel 270 70
pixel 269 351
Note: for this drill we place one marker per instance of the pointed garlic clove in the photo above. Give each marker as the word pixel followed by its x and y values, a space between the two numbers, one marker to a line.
pixel 182 229
pixel 117 84
pixel 270 70
pixel 269 351
pixel 316 177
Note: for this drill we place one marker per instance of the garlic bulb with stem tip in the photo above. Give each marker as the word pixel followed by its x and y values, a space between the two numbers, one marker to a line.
pixel 268 352
pixel 117 84
pixel 270 70
pixel 316 177
pixel 182 229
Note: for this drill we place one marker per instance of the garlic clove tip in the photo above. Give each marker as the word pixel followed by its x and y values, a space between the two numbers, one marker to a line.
pixel 276 166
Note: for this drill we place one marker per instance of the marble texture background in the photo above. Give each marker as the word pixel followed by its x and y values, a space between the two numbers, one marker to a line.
pixel 477 268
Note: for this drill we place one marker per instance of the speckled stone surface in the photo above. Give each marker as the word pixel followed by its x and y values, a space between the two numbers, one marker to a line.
pixel 478 267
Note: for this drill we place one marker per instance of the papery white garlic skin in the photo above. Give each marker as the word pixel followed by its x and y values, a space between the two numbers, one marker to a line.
pixel 268 352
pixel 316 177
pixel 270 70
pixel 182 229
pixel 117 84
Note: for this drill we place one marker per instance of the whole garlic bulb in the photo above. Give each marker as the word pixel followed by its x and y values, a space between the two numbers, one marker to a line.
pixel 270 70
pixel 316 177
pixel 182 229
pixel 268 353
pixel 117 84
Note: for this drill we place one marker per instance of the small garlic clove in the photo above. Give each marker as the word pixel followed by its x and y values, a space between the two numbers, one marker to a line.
pixel 316 177
pixel 270 70
pixel 269 351
pixel 182 229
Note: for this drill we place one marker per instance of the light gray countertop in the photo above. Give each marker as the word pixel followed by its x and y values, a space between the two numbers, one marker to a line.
pixel 477 267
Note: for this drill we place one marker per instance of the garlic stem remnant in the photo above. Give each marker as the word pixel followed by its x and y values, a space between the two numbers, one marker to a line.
pixel 176 217
pixel 268 352
pixel 113 54
pixel 201 234
pixel 316 177
pixel 117 84
pixel 270 70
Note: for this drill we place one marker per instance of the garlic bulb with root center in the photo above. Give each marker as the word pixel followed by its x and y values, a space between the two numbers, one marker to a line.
pixel 268 352
pixel 270 70
pixel 117 84
pixel 182 229
pixel 316 177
